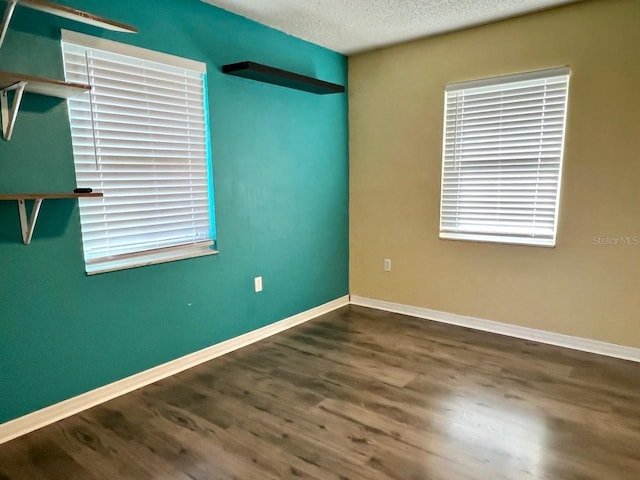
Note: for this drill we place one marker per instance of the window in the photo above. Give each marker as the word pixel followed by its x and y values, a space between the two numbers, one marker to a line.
pixel 502 158
pixel 141 137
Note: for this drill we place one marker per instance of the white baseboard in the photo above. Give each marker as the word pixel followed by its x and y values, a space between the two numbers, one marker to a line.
pixel 558 339
pixel 46 416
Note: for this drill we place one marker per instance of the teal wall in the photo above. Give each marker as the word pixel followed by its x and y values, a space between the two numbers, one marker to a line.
pixel 280 160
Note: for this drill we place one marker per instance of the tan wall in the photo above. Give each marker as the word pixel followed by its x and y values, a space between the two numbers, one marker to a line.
pixel 396 108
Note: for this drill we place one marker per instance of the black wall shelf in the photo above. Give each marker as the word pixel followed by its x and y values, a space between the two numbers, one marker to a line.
pixel 283 78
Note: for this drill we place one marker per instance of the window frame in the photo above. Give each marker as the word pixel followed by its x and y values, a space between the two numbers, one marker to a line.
pixel 168 253
pixel 514 237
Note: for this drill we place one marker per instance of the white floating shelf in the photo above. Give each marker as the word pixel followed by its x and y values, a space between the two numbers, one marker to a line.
pixel 29 224
pixel 77 15
pixel 43 86
pixel 26 83
pixel 61 11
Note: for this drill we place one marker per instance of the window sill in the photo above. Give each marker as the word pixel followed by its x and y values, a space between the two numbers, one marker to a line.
pixel 144 259
pixel 503 239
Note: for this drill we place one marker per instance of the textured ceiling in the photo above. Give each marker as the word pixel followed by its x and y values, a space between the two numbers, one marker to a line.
pixel 351 26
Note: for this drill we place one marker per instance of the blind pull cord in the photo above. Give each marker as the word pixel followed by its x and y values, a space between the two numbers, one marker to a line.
pixel 93 125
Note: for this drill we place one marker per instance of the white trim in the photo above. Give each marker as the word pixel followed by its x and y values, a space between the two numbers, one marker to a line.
pixel 510 239
pixel 551 338
pixel 516 77
pixel 151 257
pixel 89 41
pixel 46 416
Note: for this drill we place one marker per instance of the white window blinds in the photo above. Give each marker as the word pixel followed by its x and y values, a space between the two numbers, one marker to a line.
pixel 502 158
pixel 141 138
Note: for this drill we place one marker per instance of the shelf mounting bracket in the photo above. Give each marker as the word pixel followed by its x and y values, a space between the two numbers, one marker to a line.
pixel 10 113
pixel 28 225
pixel 8 13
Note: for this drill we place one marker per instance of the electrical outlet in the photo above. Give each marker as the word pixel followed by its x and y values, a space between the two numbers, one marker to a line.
pixel 387 264
pixel 257 283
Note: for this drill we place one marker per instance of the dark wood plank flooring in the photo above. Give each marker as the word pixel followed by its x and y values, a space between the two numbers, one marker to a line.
pixel 359 394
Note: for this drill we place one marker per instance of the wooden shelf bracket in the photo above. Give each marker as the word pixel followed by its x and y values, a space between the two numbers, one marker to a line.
pixel 10 113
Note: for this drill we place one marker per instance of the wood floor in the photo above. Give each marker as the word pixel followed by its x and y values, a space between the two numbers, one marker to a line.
pixel 359 394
